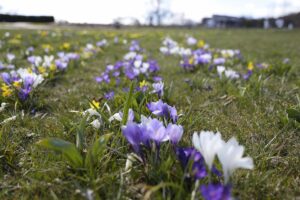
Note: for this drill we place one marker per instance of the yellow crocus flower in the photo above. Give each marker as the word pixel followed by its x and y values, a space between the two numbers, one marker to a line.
pixel 52 67
pixel 66 46
pixel 143 84
pixel 250 66
pixel 95 104
pixel 42 69
pixel 201 43
pixel 191 61
pixel 17 84
pixel 6 91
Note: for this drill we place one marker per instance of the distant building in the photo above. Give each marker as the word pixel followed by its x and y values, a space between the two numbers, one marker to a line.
pixel 222 21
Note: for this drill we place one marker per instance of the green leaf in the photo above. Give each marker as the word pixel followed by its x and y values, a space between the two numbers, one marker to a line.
pixel 96 151
pixel 67 149
pixel 80 134
pixel 293 114
pixel 127 104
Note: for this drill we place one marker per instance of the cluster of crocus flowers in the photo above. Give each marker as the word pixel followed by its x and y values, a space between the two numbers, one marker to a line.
pixel 161 109
pixel 197 162
pixel 230 155
pixel 171 47
pixel 199 55
pixel 102 43
pixel 48 64
pixel 22 82
pixel 151 131
pixel 134 66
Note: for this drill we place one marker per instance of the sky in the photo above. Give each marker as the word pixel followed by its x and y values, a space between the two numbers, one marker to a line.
pixel 105 11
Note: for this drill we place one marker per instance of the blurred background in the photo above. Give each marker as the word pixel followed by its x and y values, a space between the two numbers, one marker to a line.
pixel 190 13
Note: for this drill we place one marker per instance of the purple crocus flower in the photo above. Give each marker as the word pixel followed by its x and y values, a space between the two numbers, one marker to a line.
pixel 30 49
pixel 144 88
pixel 116 73
pixel 157 78
pixel 24 93
pixel 6 78
pixel 175 133
pixel 186 155
pixel 73 56
pixel 204 58
pixel 118 65
pixel 62 65
pixel 98 79
pixel 106 77
pixel 102 43
pixel 162 109
pixel 130 74
pixel 158 88
pixel 134 46
pixel 153 66
pixel 186 65
pixel 173 113
pixel 109 95
pixel 61 54
pixel 109 68
pixel 31 59
pixel 159 108
pixel 216 192
pixel 28 82
pixel 248 75
pixel 133 134
pixel 219 61
pixel 157 131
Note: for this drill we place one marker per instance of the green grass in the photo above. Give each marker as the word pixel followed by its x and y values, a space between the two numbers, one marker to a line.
pixel 257 118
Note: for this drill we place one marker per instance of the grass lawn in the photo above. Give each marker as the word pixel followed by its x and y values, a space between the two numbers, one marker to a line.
pixel 254 111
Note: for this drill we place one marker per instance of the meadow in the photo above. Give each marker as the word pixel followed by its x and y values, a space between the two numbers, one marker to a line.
pixel 93 157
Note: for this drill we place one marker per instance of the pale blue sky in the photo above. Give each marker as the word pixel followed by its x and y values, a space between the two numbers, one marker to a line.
pixel 105 11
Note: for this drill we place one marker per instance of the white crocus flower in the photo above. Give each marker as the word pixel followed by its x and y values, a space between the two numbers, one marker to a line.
pixel 220 70
pixel 130 55
pixel 191 41
pixel 231 158
pixel 108 108
pixel 96 123
pixel 164 50
pixel 3 106
pixel 38 61
pixel 137 63
pixel 145 67
pixel 10 57
pixel 231 74
pixel 48 60
pixel 90 113
pixel 119 116
pixel 116 116
pixel 208 143
pixel 37 78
